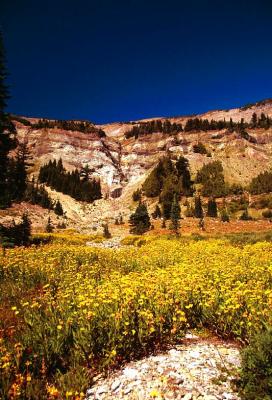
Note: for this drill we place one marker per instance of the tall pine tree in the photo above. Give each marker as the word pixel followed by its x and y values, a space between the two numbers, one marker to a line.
pixel 198 208
pixel 212 208
pixel 7 131
pixel 175 216
pixel 140 220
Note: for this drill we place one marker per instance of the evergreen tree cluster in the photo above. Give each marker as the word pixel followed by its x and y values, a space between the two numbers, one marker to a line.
pixel 37 194
pixel 80 126
pixel 261 183
pixel 168 179
pixel 199 124
pixel 16 234
pixel 72 183
pixel 145 128
pixel 212 179
pixel 22 120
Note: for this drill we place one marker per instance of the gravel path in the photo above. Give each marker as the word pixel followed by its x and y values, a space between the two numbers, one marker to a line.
pixel 195 369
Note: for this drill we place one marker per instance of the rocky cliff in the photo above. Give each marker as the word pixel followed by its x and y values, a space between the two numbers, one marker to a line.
pixel 122 164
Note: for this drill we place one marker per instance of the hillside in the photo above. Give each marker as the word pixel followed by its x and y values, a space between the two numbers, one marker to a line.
pixel 123 162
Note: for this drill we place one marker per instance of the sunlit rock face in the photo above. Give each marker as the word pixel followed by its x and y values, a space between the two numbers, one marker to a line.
pixel 122 163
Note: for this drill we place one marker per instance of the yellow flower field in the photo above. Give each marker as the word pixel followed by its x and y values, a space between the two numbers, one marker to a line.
pixel 68 310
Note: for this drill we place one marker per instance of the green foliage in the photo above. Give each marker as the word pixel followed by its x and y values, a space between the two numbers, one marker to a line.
pixel 197 124
pixel 256 368
pixel 16 234
pixel 136 195
pixel 18 167
pixel 49 226
pixel 212 179
pixel 224 215
pixel 267 214
pixel 22 121
pixel 245 216
pixel 7 131
pixel 153 183
pixel 58 208
pixel 212 208
pixel 175 216
pixel 200 148
pixel 37 194
pixel 79 126
pixel 106 232
pixel 140 220
pixel 236 189
pixel 166 180
pixel 71 183
pixel 198 210
pixel 157 213
pixel 146 128
pixel 261 183
pixel 238 204
pixel 264 201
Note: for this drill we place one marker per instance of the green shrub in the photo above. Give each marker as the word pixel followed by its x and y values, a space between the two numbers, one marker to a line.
pixel 200 148
pixel 265 201
pixel 256 368
pixel 136 196
pixel 224 215
pixel 267 214
pixel 245 216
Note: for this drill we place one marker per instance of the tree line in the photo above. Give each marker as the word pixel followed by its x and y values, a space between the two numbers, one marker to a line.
pixel 77 184
pixel 198 124
pixel 68 125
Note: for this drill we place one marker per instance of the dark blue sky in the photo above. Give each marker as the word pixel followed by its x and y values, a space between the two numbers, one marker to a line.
pixel 121 60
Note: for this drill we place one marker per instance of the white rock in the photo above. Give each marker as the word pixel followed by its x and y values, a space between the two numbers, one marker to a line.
pixel 115 385
pixel 131 373
pixel 194 354
pixel 101 390
pixel 174 352
pixel 187 396
pixel 228 396
pixel 90 392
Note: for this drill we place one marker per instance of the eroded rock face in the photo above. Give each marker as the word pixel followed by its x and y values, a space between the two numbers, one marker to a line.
pixel 118 161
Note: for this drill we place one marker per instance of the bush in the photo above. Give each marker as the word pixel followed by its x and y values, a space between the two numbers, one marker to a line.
pixel 212 179
pixel 265 201
pixel 245 216
pixel 267 214
pixel 16 234
pixel 261 183
pixel 136 196
pixel 224 216
pixel 256 368
pixel 200 148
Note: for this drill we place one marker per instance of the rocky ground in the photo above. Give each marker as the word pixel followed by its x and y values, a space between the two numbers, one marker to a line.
pixel 197 368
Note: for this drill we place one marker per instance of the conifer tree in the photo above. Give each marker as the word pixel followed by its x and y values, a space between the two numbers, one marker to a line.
pixel 212 208
pixel 140 220
pixel 58 208
pixel 175 216
pixel 254 120
pixel 49 226
pixel 18 171
pixel 224 215
pixel 198 208
pixel 106 232
pixel 157 213
pixel 7 132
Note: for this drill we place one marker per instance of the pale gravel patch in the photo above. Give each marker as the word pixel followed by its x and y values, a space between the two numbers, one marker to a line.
pixel 195 369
